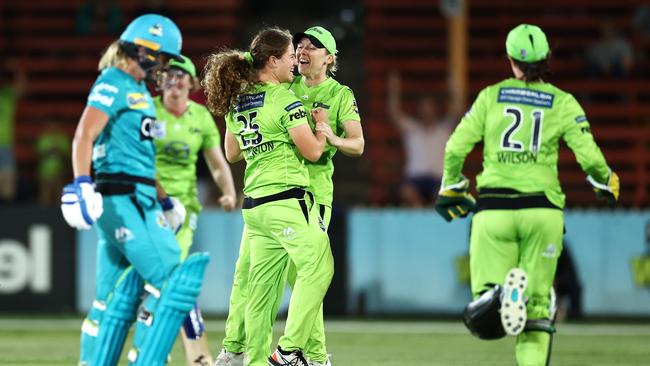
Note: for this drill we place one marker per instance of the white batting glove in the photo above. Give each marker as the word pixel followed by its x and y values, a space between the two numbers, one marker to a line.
pixel 174 212
pixel 80 204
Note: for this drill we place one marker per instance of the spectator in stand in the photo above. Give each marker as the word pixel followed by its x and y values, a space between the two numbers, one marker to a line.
pixel 423 137
pixel 53 149
pixel 99 17
pixel 13 83
pixel 611 55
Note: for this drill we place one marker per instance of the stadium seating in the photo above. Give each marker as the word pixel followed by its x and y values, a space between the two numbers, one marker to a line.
pixel 61 65
pixel 411 36
pixel 407 35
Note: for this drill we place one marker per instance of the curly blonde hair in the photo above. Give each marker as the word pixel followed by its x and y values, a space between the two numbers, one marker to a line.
pixel 228 74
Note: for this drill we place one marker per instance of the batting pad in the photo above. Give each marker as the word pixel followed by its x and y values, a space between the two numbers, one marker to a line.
pixel 176 300
pixel 120 313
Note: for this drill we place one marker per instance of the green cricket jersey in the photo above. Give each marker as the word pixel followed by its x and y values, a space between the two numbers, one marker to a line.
pixel 521 124
pixel 260 121
pixel 7 111
pixel 341 106
pixel 178 143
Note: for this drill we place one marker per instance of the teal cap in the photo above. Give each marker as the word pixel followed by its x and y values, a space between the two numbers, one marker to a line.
pixel 527 43
pixel 320 37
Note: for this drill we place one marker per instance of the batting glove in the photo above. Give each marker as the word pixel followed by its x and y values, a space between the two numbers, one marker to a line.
pixel 174 212
pixel 80 204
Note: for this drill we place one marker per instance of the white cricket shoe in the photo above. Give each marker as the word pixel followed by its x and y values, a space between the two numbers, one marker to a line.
pixel 226 358
pixel 294 358
pixel 513 303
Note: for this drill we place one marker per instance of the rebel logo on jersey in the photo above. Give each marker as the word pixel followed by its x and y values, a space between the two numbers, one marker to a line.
pixel 297 115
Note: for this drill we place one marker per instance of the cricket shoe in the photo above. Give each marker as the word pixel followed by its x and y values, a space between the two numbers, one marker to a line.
pixel 294 358
pixel 513 303
pixel 226 358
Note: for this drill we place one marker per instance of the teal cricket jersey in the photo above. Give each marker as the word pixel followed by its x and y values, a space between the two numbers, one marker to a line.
pixel 521 124
pixel 125 145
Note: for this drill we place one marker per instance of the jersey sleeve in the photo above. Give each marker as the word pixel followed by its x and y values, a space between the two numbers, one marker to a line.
pixel 577 134
pixel 468 132
pixel 231 125
pixel 291 110
pixel 211 135
pixel 349 111
pixel 106 96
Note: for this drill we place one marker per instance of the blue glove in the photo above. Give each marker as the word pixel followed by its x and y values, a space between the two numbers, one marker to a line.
pixel 80 204
pixel 174 212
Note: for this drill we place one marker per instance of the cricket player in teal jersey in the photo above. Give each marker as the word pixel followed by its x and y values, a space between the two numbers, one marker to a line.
pixel 516 235
pixel 268 127
pixel 185 129
pixel 115 133
pixel 315 88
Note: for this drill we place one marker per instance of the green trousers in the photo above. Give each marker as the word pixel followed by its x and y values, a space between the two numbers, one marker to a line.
pixel 315 349
pixel 530 239
pixel 276 233
pixel 185 235
pixel 235 339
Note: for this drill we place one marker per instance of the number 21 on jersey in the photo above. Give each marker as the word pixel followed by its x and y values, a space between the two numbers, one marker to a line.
pixel 511 144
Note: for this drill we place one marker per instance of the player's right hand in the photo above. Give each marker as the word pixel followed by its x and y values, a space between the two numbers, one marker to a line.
pixel 609 191
pixel 228 202
pixel 455 201
pixel 174 212
pixel 319 115
pixel 80 204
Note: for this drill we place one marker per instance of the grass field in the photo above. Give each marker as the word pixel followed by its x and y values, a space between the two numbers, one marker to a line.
pixel 54 341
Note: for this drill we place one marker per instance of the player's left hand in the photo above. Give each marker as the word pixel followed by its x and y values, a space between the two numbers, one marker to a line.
pixel 228 202
pixel 80 204
pixel 455 201
pixel 174 212
pixel 608 191
pixel 326 130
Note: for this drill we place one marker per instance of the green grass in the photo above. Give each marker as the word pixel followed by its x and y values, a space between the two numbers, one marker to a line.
pixel 49 341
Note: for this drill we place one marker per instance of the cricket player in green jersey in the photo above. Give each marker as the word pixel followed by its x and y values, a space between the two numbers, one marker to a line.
pixel 185 128
pixel 315 88
pixel 516 235
pixel 268 127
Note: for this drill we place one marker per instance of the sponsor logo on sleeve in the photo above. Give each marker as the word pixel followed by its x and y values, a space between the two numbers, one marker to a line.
pixel 137 101
pixel 100 93
pixel 297 115
pixel 293 105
